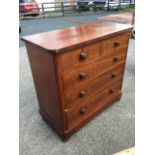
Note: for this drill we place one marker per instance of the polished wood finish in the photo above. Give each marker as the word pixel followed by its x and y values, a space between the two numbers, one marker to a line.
pixel 77 72
pixel 93 86
pixel 115 44
pixel 79 57
pixel 44 76
pixel 76 113
pixel 58 41
pixel 82 74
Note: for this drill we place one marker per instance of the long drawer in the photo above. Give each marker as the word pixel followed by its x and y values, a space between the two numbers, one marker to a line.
pixel 81 75
pixel 77 113
pixel 94 86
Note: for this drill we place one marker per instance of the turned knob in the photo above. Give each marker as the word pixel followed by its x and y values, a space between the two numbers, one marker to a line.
pixel 113 75
pixel 116 58
pixel 82 75
pixel 116 43
pixel 111 91
pixel 82 93
pixel 83 56
pixel 82 111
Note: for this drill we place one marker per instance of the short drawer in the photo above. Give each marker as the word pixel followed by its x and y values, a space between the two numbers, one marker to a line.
pixel 78 113
pixel 74 59
pixel 80 94
pixel 114 44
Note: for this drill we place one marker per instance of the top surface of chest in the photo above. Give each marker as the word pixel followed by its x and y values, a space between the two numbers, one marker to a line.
pixel 69 38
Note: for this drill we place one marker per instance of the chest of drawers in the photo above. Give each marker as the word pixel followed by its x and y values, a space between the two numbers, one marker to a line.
pixel 77 72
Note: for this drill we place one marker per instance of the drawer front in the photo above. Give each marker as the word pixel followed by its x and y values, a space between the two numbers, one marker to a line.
pixel 79 76
pixel 114 44
pixel 93 86
pixel 73 59
pixel 113 59
pixel 77 113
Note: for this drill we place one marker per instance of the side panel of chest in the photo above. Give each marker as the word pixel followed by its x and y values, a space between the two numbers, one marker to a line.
pixel 46 82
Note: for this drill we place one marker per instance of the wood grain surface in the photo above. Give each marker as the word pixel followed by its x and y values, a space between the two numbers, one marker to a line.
pixel 70 38
pixel 77 72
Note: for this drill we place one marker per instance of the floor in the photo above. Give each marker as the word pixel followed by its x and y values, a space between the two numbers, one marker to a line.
pixel 129 151
pixel 110 132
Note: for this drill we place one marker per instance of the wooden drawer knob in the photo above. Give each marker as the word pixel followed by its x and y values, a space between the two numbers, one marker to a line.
pixel 82 93
pixel 116 58
pixel 83 56
pixel 113 75
pixel 116 43
pixel 111 91
pixel 82 111
pixel 82 75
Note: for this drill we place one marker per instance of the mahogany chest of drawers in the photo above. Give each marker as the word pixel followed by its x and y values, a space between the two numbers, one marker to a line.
pixel 77 72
